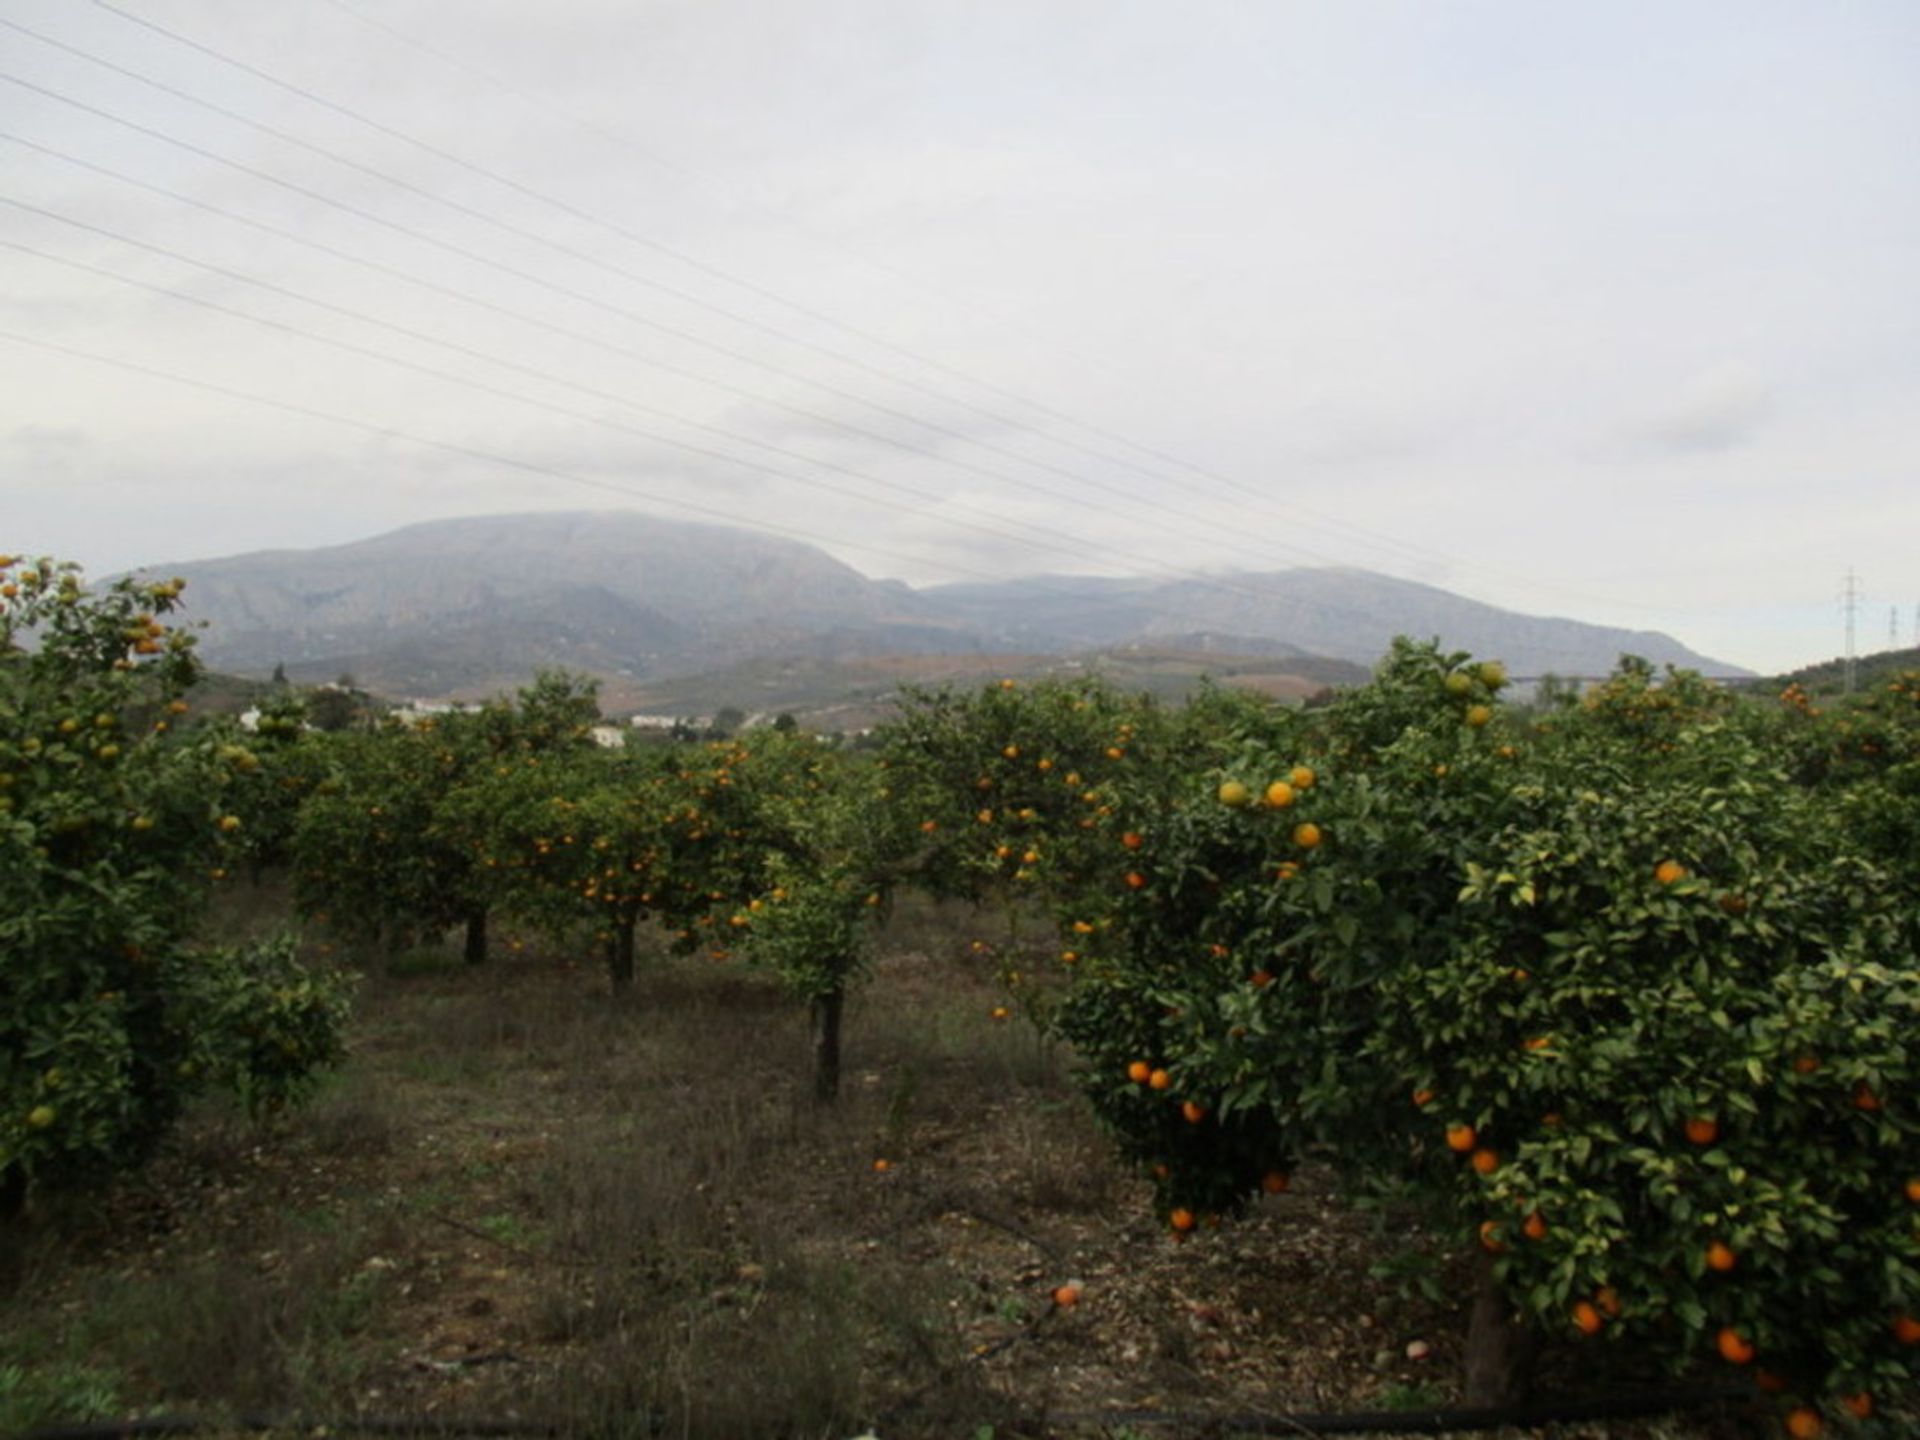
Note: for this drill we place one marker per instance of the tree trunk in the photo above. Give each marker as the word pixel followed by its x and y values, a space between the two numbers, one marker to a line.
pixel 13 1218
pixel 826 1043
pixel 477 936
pixel 620 953
pixel 1500 1347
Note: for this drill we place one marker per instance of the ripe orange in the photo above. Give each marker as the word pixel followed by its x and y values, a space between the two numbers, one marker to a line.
pixel 1539 1042
pixel 1423 1098
pixel 1703 1130
pixel 1720 1257
pixel 1535 1227
pixel 1804 1423
pixel 1194 1111
pixel 1139 1072
pixel 1485 1162
pixel 1279 795
pixel 1302 777
pixel 1608 1299
pixel 1066 1296
pixel 1133 840
pixel 881 1167
pixel 1276 1182
pixel 1286 871
pixel 1490 1238
pixel 1012 752
pixel 1913 1190
pixel 1181 1220
pixel 1588 1319
pixel 1734 1347
pixel 1136 881
pixel 1669 872
pixel 1805 1064
pixel 1233 794
pixel 1859 1405
pixel 1159 1080
pixel 1906 1329
pixel 1307 835
pixel 1864 1098
pixel 1461 1137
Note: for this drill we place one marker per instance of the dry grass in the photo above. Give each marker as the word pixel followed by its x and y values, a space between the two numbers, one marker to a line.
pixel 525 1199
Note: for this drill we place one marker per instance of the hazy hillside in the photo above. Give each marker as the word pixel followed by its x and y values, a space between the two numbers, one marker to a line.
pixel 475 605
pixel 1342 613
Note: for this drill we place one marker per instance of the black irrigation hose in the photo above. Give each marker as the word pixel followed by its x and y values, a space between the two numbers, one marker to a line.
pixel 1425 1422
pixel 1383 1422
pixel 162 1425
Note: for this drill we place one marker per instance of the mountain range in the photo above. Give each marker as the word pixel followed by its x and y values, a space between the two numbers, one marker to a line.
pixel 473 606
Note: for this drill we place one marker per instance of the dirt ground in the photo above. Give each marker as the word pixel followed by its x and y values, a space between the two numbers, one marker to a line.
pixel 522 1200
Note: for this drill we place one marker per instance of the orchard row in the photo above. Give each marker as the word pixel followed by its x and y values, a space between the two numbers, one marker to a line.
pixel 1620 990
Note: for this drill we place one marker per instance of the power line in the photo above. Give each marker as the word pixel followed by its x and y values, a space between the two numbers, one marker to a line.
pixel 390 432
pixel 1059 585
pixel 1223 585
pixel 613 227
pixel 1044 542
pixel 523 317
pixel 1106 494
pixel 1365 537
pixel 1371 538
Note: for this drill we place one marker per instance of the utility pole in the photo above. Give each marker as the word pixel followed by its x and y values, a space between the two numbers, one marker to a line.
pixel 1893 627
pixel 1850 599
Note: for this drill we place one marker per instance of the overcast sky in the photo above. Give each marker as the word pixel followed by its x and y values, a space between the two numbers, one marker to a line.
pixel 1606 310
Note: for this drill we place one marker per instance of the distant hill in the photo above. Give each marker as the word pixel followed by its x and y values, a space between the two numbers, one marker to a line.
pixel 1341 613
pixel 474 606
pixel 1829 676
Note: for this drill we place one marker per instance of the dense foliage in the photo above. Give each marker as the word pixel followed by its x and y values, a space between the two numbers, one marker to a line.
pixel 1608 990
pixel 1619 989
pixel 112 829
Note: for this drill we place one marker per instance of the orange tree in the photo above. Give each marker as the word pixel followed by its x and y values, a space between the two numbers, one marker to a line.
pixel 274 769
pixel 602 841
pixel 1013 787
pixel 110 828
pixel 1863 751
pixel 835 845
pixel 1624 1008
pixel 382 844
